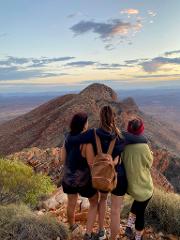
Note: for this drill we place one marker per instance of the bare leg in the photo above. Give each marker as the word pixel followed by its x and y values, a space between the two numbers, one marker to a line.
pixel 92 213
pixel 116 204
pixel 71 206
pixel 102 209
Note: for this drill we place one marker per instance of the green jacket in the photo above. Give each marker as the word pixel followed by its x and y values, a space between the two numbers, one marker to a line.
pixel 138 159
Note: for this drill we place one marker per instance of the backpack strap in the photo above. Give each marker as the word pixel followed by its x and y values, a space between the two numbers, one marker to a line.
pixel 98 142
pixel 111 146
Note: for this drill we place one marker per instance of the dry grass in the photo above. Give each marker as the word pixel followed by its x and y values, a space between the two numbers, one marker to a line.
pixel 19 222
pixel 162 213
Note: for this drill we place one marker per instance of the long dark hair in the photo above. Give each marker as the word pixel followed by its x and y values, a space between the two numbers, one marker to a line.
pixel 108 120
pixel 78 122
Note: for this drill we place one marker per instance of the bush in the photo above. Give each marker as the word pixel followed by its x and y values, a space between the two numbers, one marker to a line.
pixel 18 183
pixel 18 222
pixel 162 213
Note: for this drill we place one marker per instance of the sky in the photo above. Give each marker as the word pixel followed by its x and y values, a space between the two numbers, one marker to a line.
pixel 55 45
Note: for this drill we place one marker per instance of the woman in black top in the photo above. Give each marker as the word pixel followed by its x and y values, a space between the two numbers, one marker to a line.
pixel 106 132
pixel 77 178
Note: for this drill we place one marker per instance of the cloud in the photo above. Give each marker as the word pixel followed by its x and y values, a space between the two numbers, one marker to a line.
pixel 172 52
pixel 152 13
pixel 156 63
pixel 107 66
pixel 76 14
pixel 130 11
pixel 151 66
pixel 17 68
pixel 80 64
pixel 158 76
pixel 14 60
pixel 106 30
pixel 32 62
pixel 109 47
pixel 14 73
pixel 46 61
pixel 133 61
pixel 98 65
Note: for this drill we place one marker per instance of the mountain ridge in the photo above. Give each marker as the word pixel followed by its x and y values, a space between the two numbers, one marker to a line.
pixel 45 126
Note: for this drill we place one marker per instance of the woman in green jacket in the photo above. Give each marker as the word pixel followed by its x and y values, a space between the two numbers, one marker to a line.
pixel 138 160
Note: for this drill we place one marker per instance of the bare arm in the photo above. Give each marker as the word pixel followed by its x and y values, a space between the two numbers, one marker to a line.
pixel 63 154
pixel 88 153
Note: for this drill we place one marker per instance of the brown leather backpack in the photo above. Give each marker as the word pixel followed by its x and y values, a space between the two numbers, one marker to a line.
pixel 104 176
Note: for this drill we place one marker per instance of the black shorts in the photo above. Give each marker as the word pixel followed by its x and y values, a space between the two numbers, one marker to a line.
pixel 87 191
pixel 121 187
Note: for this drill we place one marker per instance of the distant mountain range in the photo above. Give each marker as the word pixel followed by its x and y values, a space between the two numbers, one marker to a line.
pixel 162 103
pixel 45 126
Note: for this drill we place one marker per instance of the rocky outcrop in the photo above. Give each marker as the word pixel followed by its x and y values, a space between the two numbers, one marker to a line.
pixel 49 161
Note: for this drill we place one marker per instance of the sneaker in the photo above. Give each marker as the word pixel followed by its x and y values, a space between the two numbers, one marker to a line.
pixel 101 235
pixel 129 233
pixel 73 227
pixel 88 237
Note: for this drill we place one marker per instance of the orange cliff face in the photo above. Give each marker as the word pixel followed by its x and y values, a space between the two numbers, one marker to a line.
pixel 44 127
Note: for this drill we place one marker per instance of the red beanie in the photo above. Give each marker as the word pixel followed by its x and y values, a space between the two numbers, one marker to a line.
pixel 139 130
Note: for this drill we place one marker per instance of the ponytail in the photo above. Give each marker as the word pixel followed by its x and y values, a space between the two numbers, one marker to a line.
pixel 108 121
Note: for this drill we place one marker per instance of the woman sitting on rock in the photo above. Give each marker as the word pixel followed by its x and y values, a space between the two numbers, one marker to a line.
pixel 77 177
pixel 138 160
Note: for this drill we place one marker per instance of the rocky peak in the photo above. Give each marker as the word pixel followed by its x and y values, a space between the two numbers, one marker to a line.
pixel 130 103
pixel 99 92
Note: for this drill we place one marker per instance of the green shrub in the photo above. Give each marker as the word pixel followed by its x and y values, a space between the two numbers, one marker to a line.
pixel 162 213
pixel 19 222
pixel 18 182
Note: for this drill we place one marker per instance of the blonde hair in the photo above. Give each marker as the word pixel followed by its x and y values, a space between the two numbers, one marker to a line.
pixel 108 120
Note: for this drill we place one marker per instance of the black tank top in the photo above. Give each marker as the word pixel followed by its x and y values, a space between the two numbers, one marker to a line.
pixel 74 159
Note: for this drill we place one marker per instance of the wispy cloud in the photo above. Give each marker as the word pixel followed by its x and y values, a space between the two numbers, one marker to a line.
pixel 112 66
pixel 132 61
pixel 14 73
pixel 109 30
pixel 75 14
pixel 17 68
pixel 155 64
pixel 109 47
pixel 80 64
pixel 152 13
pixel 172 53
pixel 8 61
pixel 130 11
pixel 33 62
pixel 155 76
